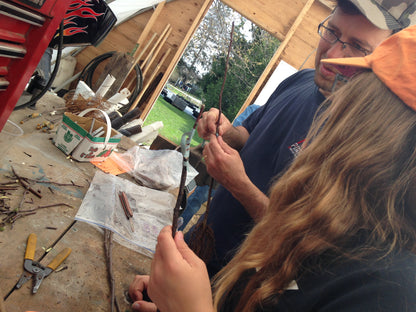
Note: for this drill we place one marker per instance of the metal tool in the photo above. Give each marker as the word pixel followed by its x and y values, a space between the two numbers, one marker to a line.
pixel 185 149
pixel 35 269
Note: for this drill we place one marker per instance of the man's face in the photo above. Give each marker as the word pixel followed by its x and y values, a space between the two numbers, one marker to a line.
pixel 353 29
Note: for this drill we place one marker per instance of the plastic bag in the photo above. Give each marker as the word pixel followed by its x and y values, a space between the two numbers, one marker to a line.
pixel 157 169
pixel 152 210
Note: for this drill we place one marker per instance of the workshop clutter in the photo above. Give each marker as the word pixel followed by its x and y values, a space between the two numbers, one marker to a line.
pixel 86 138
pixel 151 210
pixel 156 169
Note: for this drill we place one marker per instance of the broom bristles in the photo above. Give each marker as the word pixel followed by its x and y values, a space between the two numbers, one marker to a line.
pixel 202 241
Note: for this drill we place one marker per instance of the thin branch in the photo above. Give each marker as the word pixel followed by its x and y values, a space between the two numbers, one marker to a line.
pixel 108 245
pixel 225 77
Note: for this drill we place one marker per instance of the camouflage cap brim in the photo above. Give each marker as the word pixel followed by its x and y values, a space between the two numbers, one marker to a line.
pixel 388 14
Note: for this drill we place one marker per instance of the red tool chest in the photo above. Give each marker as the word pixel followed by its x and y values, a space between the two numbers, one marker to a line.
pixel 26 28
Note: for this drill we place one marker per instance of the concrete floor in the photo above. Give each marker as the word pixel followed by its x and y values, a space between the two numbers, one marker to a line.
pixel 83 286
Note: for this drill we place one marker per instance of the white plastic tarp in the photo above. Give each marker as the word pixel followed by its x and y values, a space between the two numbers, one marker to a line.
pixel 125 9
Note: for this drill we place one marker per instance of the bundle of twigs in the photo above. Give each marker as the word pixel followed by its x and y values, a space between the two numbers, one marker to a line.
pixel 75 106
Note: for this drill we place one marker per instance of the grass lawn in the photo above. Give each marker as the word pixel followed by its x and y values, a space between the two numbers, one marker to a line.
pixel 175 122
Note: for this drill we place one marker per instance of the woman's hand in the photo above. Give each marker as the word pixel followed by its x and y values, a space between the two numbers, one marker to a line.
pixel 137 292
pixel 179 280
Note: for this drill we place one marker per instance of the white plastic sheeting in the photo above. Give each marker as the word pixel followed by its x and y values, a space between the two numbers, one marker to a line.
pixel 282 71
pixel 125 9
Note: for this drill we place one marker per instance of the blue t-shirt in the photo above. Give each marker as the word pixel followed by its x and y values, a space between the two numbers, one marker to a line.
pixel 277 131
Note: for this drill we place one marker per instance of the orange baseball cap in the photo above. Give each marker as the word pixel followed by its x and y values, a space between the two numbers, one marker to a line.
pixel 393 62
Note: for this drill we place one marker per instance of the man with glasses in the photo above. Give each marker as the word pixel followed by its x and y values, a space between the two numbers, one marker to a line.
pixel 246 159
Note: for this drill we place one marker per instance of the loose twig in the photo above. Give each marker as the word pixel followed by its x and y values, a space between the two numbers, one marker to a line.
pixel 108 245
pixel 26 184
pixel 55 183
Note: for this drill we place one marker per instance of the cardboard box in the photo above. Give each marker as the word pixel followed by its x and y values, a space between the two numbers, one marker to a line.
pixel 74 137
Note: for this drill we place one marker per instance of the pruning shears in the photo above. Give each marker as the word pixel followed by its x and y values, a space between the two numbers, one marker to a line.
pixel 35 270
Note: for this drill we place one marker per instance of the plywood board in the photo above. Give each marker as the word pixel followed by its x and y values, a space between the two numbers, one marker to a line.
pixel 274 16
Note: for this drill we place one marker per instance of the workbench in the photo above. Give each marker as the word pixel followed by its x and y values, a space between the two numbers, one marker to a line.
pixel 83 285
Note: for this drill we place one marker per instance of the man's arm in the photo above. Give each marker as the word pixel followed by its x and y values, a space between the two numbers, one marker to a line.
pixel 224 164
pixel 253 200
pixel 236 137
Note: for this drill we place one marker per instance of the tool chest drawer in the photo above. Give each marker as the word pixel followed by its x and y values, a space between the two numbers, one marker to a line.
pixel 26 28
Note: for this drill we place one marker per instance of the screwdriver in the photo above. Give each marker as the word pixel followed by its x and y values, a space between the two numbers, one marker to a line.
pixel 33 115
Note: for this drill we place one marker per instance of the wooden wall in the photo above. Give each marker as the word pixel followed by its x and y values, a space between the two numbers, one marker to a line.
pixel 293 22
pixel 184 17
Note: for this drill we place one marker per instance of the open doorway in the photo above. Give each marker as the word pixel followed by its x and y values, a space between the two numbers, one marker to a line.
pixel 197 79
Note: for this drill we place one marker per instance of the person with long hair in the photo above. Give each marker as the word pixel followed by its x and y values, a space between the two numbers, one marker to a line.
pixel 244 160
pixel 339 233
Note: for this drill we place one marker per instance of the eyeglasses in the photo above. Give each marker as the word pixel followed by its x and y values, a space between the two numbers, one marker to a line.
pixel 353 49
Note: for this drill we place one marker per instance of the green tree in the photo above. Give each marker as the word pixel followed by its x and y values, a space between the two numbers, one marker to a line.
pixel 247 61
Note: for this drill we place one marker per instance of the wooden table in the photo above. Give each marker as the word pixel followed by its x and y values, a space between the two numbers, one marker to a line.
pixel 83 286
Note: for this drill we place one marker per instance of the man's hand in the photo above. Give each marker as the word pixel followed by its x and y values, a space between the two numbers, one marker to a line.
pixel 224 163
pixel 207 125
pixel 136 292
pixel 179 280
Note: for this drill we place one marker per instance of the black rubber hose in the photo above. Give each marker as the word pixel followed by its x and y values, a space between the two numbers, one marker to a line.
pixel 53 75
pixel 88 72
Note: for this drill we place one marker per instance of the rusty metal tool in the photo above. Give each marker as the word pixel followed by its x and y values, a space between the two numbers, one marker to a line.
pixel 33 115
pixel 35 270
pixel 126 207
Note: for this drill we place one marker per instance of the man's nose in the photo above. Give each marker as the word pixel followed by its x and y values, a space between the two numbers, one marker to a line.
pixel 337 50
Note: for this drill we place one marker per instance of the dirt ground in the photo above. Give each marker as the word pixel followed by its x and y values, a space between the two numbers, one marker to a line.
pixel 83 284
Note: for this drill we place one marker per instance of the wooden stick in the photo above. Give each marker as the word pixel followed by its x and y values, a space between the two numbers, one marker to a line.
pixel 25 184
pixel 225 78
pixel 162 36
pixel 136 60
pixel 185 149
pixel 108 245
pixel 149 26
pixel 133 106
pixel 146 66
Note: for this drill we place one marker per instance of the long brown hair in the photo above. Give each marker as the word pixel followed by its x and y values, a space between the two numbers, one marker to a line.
pixel 354 174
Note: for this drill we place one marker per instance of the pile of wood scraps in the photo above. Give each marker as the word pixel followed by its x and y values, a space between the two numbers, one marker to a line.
pixel 15 205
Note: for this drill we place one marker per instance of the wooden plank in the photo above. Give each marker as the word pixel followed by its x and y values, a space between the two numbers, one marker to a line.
pixel 148 27
pixel 156 48
pixel 271 15
pixel 299 52
pixel 118 67
pixel 153 75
